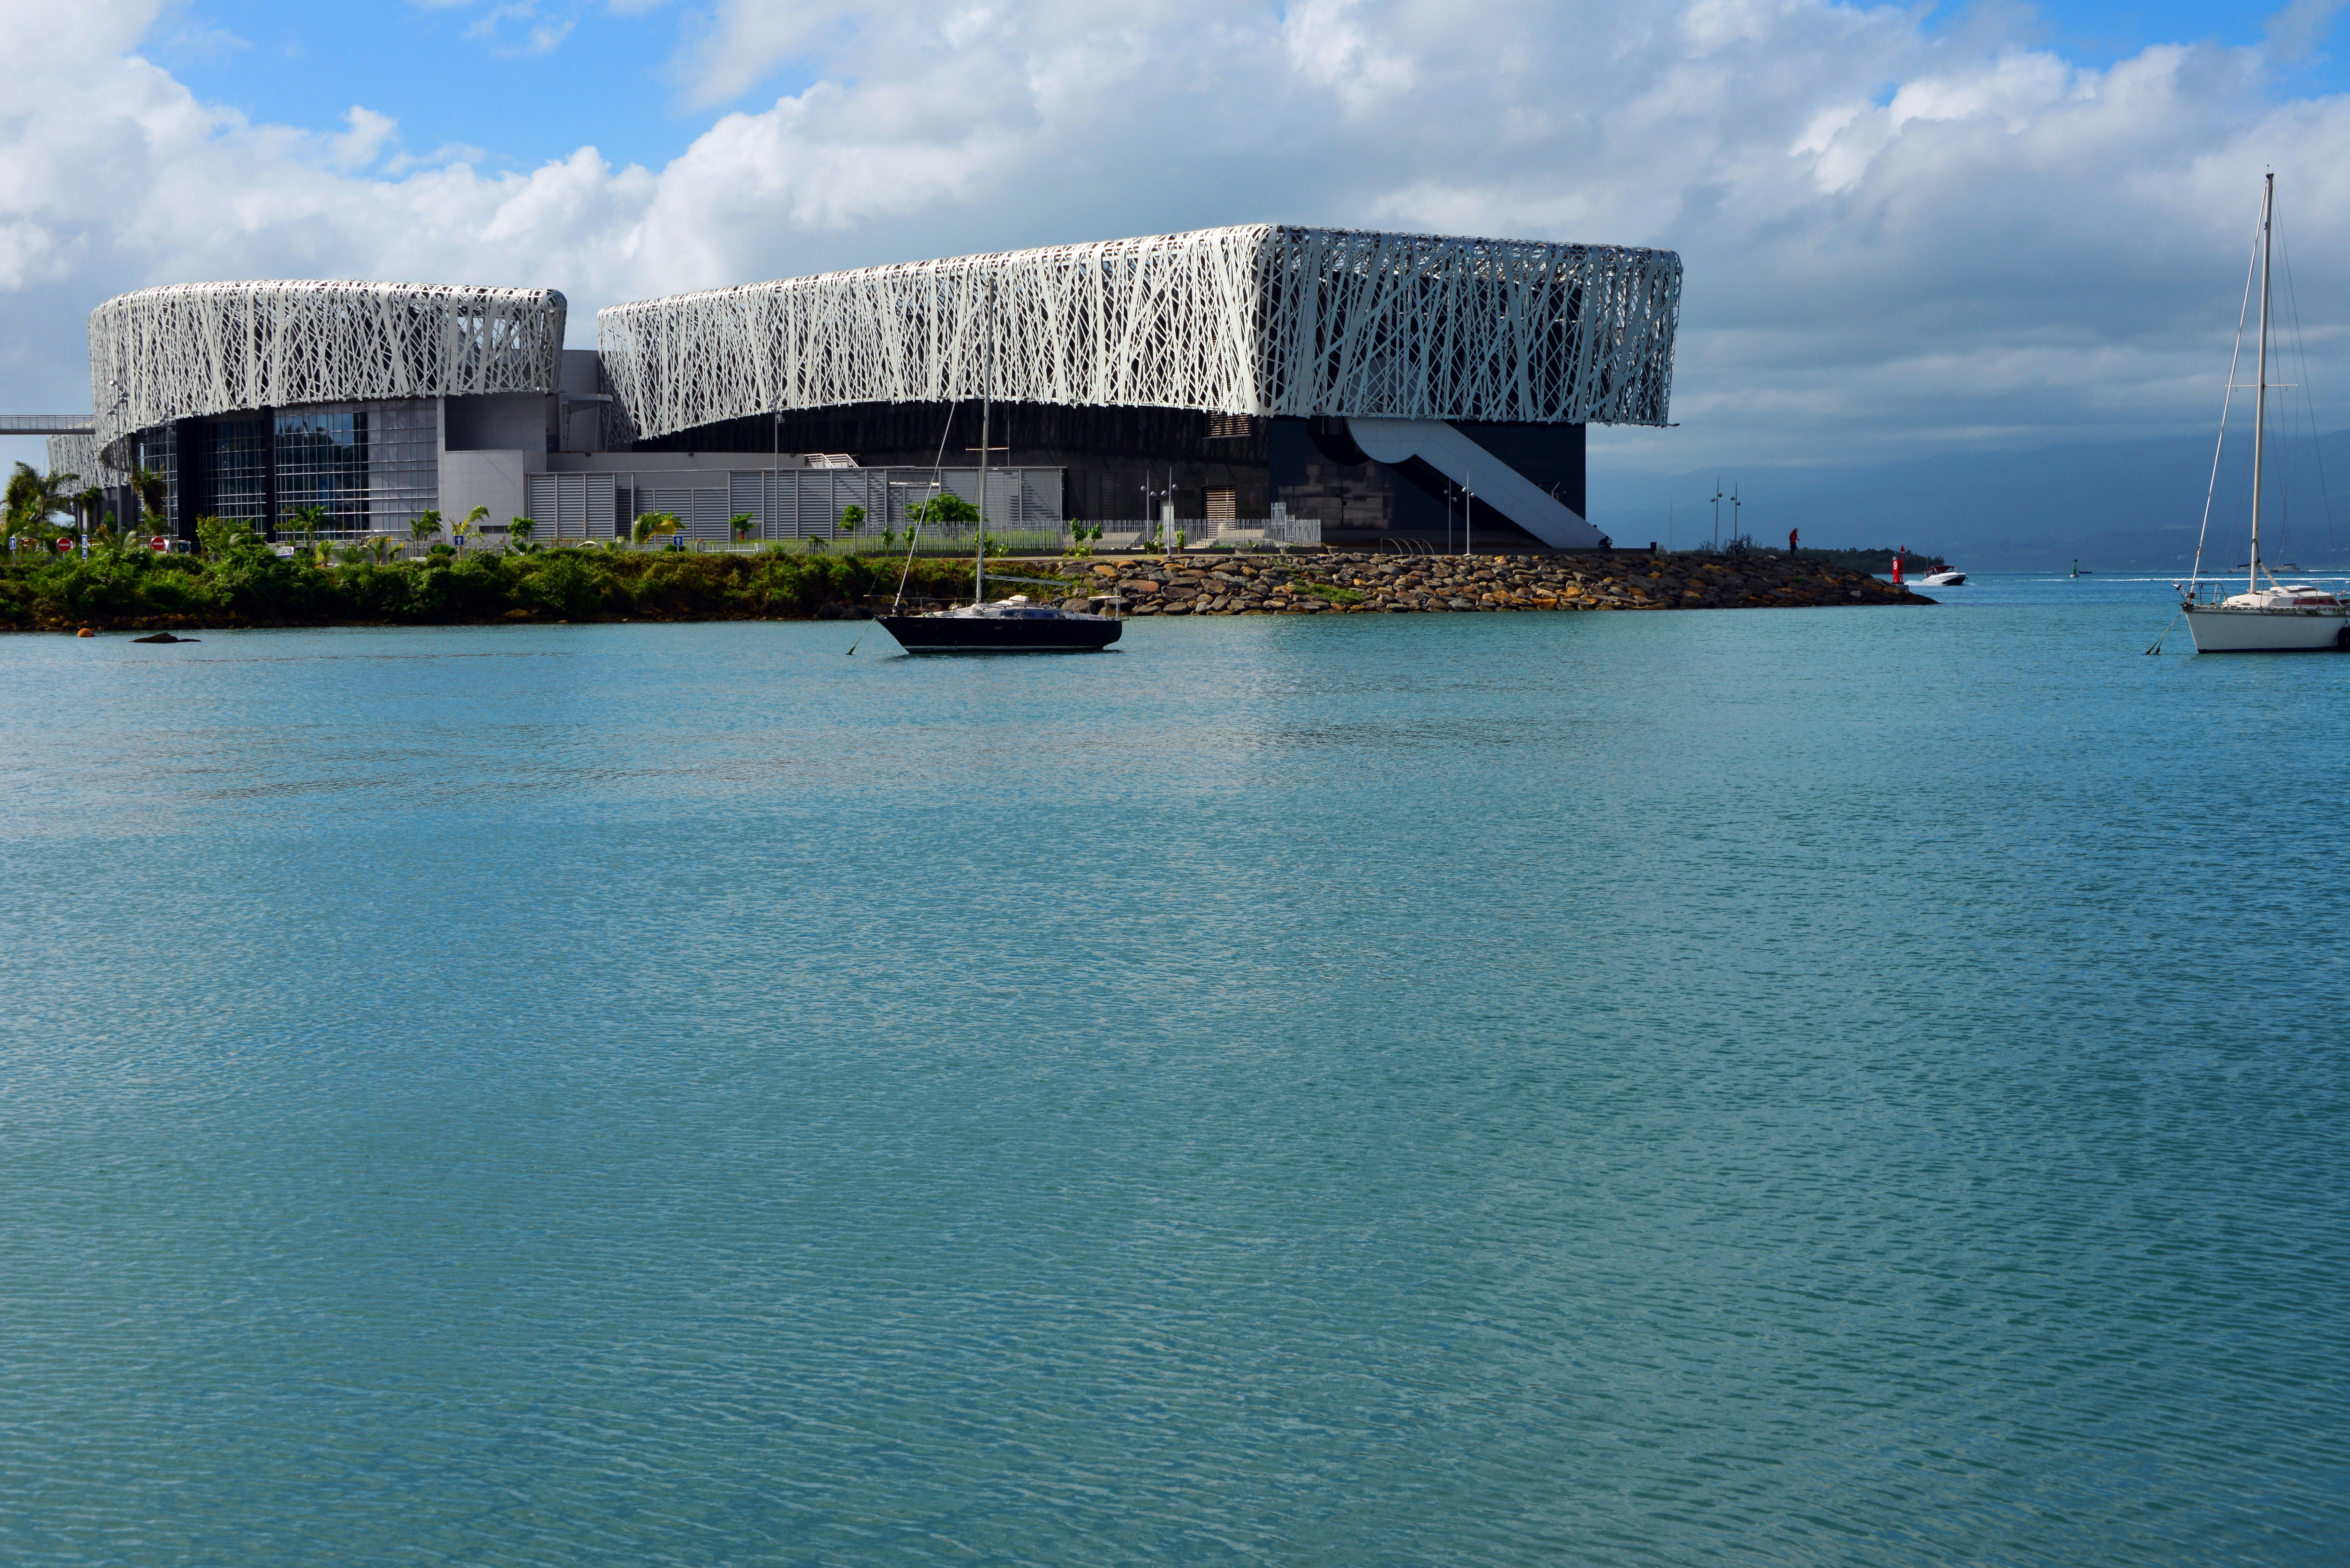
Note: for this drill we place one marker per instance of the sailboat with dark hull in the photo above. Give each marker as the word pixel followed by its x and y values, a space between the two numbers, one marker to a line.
pixel 2282 617
pixel 1008 626
pixel 1013 625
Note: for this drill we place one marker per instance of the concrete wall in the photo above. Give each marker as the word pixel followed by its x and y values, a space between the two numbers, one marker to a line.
pixel 701 462
pixel 490 479
pixel 507 421
pixel 583 422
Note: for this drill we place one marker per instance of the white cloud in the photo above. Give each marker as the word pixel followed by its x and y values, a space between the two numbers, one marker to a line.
pixel 1329 48
pixel 2297 31
pixel 1894 240
pixel 365 141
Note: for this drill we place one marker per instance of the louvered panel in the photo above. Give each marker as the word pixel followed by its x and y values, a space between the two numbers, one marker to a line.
pixel 747 491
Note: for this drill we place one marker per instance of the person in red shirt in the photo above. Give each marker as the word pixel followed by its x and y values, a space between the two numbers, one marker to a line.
pixel 1791 540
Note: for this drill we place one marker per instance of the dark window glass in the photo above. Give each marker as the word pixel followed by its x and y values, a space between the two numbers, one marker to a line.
pixel 240 469
pixel 322 461
pixel 157 450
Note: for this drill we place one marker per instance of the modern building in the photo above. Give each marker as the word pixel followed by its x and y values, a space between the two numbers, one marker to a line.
pixel 1365 380
pixel 1370 381
pixel 373 401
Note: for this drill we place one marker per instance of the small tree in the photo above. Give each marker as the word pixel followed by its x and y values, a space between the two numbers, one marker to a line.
pixel 653 523
pixel 221 538
pixel 852 518
pixel 946 506
pixel 741 522
pixel 427 524
pixel 34 498
pixel 307 521
pixel 152 491
pixel 520 529
pixel 471 525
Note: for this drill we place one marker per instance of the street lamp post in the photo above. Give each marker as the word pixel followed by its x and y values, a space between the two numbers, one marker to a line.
pixel 1468 512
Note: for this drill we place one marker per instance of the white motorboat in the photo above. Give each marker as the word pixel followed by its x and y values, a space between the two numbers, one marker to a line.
pixel 2282 617
pixel 1942 580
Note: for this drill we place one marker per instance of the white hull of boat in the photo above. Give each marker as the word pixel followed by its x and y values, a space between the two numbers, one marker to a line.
pixel 2219 630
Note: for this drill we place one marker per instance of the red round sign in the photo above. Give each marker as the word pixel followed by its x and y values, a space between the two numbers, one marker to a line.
pixel 159 543
pixel 65 544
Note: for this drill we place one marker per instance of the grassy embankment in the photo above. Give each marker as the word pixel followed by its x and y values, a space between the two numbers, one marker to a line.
pixel 134 589
pixel 242 582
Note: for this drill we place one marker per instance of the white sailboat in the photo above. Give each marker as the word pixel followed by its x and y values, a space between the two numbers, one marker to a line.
pixel 2282 617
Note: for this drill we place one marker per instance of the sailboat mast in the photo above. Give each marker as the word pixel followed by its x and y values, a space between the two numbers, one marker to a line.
pixel 986 408
pixel 2261 379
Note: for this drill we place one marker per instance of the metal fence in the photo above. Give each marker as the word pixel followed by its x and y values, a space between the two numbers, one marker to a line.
pixel 895 536
pixel 1208 533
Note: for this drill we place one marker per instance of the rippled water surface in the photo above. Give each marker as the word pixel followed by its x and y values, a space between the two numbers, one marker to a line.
pixel 1830 1086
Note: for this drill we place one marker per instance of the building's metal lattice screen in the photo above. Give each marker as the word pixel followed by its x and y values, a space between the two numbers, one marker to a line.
pixel 1261 320
pixel 79 455
pixel 163 354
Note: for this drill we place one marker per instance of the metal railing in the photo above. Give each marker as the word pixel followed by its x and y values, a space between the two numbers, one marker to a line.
pixel 1208 533
pixel 1242 534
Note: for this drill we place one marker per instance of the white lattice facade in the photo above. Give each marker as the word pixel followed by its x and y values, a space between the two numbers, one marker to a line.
pixel 1373 383
pixel 81 456
pixel 194 349
pixel 1260 320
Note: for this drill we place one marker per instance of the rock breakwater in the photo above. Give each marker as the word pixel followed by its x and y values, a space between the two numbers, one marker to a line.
pixel 1340 583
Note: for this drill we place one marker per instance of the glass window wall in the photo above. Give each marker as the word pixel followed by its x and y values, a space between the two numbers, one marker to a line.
pixel 322 462
pixel 157 449
pixel 374 467
pixel 240 469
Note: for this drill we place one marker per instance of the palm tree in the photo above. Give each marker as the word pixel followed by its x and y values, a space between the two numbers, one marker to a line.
pixel 34 498
pixel 308 520
pixel 742 524
pixel 472 521
pixel 427 525
pixel 653 523
pixel 152 492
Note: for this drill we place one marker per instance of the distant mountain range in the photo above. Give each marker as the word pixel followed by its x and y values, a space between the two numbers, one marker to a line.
pixel 2112 506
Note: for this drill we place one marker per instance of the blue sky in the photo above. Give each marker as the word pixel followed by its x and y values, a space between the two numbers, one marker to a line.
pixel 530 82
pixel 523 88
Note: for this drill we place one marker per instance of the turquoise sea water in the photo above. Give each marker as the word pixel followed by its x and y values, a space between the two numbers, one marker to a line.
pixel 1774 1087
